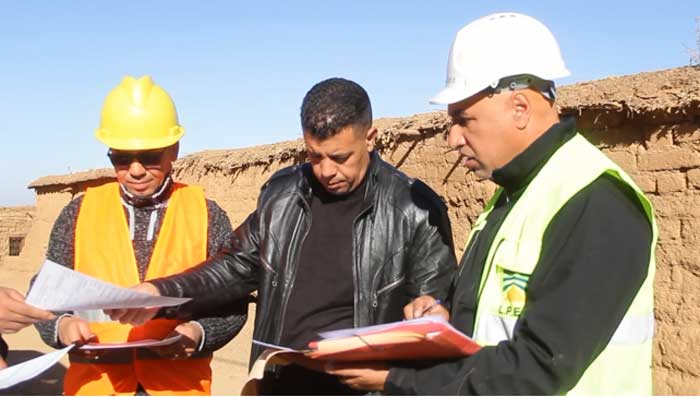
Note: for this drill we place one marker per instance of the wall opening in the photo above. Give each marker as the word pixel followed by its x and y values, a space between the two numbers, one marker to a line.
pixel 15 247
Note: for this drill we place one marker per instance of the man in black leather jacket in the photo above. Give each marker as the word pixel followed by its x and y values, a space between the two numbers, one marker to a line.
pixel 343 240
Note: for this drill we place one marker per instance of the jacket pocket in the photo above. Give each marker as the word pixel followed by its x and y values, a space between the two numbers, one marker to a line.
pixel 391 285
pixel 386 289
pixel 518 256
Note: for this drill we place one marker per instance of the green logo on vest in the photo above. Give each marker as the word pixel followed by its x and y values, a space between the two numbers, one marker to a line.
pixel 513 293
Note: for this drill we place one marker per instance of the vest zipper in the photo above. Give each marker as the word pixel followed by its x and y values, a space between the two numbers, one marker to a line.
pixel 470 249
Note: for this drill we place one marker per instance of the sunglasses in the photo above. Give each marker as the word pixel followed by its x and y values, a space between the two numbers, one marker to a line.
pixel 151 158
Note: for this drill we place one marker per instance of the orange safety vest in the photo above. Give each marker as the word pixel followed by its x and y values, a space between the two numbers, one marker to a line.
pixel 104 250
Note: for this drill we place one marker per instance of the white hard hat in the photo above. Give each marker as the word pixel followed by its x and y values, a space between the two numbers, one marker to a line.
pixel 497 46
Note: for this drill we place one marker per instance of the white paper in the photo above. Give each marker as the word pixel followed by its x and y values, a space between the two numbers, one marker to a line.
pixel 342 333
pixel 138 343
pixel 18 373
pixel 58 288
pixel 276 347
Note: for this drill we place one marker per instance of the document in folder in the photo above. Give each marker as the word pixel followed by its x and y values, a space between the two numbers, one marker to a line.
pixel 425 337
pixel 421 338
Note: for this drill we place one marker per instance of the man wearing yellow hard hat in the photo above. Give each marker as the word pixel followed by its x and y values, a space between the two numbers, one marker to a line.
pixel 143 226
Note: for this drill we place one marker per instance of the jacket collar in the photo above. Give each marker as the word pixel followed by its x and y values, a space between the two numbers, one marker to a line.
pixel 370 184
pixel 160 197
pixel 520 171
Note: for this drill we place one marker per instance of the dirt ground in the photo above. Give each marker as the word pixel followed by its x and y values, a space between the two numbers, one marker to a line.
pixel 230 364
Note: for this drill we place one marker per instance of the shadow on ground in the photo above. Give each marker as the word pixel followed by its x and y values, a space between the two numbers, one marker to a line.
pixel 49 383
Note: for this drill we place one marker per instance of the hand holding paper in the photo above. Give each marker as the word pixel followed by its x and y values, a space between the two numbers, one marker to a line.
pixel 188 335
pixel 73 330
pixel 137 315
pixel 58 288
pixel 16 314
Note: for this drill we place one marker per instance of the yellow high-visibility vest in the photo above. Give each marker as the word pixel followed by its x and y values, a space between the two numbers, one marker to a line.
pixel 624 366
pixel 103 249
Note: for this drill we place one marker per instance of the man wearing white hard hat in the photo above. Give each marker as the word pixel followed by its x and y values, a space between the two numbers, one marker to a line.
pixel 557 276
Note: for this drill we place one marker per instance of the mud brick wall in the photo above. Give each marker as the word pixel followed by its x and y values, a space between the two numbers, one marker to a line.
pixel 14 222
pixel 52 194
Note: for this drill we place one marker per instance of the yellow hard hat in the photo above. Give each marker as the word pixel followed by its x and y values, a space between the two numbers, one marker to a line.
pixel 138 115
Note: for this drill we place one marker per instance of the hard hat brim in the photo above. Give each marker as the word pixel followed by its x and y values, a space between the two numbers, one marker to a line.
pixel 450 95
pixel 139 144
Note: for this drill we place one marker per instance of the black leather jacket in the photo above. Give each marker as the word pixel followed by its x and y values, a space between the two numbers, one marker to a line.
pixel 402 249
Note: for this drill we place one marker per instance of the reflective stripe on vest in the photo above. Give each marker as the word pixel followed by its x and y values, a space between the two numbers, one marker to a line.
pixel 632 330
pixel 103 249
pixel 515 252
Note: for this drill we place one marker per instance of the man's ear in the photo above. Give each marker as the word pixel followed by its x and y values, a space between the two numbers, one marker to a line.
pixel 522 108
pixel 370 138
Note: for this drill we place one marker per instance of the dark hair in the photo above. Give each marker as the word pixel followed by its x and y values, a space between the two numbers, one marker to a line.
pixel 334 104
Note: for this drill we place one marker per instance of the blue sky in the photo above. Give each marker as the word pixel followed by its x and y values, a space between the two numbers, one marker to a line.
pixel 238 70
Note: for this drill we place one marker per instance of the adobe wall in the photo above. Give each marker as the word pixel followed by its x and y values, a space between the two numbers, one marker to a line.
pixel 648 123
pixel 653 132
pixel 14 222
pixel 52 194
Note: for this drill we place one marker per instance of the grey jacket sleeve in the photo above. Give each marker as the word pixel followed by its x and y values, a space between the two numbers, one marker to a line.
pixel 61 250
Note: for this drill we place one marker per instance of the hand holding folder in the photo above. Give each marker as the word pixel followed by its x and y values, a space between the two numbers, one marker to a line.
pixel 420 338
pixel 424 337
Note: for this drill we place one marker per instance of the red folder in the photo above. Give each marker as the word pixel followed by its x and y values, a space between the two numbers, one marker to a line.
pixel 427 337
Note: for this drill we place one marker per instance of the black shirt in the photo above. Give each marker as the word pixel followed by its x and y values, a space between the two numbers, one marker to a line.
pixel 322 298
pixel 594 259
